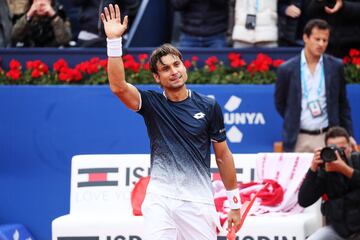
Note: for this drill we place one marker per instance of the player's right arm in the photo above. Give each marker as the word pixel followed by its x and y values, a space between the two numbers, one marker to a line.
pixel 114 29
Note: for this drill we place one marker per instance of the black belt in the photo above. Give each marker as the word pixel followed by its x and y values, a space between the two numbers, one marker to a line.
pixel 314 132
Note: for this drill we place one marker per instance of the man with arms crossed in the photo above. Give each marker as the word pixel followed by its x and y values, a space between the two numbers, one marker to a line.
pixel 181 125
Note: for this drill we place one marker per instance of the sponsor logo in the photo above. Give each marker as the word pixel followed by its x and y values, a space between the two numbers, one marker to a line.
pixel 260 238
pixel 98 177
pixel 234 118
pixel 243 174
pixel 16 236
pixel 119 237
pixel 199 115
pixel 132 175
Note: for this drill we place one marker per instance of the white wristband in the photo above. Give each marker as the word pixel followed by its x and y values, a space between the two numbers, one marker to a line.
pixel 234 198
pixel 114 47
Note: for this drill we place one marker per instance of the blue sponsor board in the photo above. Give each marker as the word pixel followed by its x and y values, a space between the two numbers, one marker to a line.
pixel 42 127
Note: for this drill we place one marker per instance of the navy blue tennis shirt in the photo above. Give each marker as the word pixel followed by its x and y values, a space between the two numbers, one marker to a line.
pixel 180 137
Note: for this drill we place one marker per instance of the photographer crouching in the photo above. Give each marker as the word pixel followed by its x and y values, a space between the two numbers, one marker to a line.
pixel 334 175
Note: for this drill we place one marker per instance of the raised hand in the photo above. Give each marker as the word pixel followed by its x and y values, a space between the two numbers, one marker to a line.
pixel 111 19
pixel 338 5
pixel 317 161
pixel 293 11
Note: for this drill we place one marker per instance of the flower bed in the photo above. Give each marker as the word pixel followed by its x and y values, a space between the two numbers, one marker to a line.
pixel 261 70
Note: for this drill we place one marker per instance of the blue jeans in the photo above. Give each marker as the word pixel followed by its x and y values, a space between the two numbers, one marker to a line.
pixel 215 41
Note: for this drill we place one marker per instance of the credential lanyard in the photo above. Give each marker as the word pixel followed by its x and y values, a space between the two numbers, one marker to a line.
pixel 304 85
pixel 256 6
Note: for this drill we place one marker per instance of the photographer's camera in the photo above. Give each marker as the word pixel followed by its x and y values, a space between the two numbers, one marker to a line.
pixel 328 154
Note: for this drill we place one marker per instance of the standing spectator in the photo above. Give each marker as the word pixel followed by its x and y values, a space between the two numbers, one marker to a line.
pixel 91 32
pixel 310 92
pixel 5 24
pixel 255 23
pixel 344 19
pixel 72 13
pixel 203 22
pixel 44 24
pixel 291 22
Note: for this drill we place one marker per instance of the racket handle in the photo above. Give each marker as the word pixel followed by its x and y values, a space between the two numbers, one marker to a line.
pixel 231 234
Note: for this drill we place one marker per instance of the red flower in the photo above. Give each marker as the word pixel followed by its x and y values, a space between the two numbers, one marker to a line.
pixel 103 64
pixel 92 68
pixel 356 61
pixel 68 75
pixel 94 60
pixel 354 52
pixel 35 73
pixel 211 60
pixel 29 65
pixel 132 65
pixel 276 63
pixel 346 60
pixel 75 75
pixel 142 57
pixel 59 64
pixel 233 56
pixel 212 68
pixel 64 75
pixel 14 74
pixel 194 58
pixel 187 64
pixel 43 68
pixel 128 57
pixel 260 64
pixel 14 64
pixel 147 66
pixel 235 60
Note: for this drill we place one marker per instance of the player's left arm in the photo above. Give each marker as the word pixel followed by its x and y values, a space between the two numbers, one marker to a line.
pixel 225 163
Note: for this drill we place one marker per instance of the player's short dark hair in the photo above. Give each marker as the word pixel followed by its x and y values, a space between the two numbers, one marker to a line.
pixel 315 23
pixel 335 132
pixel 161 51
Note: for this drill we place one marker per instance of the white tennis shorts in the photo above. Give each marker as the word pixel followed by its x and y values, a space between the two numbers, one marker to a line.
pixel 173 219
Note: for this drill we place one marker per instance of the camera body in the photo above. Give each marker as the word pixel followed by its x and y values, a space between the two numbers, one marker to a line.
pixel 328 154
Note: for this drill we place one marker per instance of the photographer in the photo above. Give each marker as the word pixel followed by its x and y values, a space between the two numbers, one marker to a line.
pixel 44 24
pixel 334 175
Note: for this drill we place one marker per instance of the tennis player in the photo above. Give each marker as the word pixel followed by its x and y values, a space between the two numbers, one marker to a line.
pixel 181 125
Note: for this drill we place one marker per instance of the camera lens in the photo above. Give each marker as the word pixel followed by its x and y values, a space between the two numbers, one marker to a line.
pixel 328 154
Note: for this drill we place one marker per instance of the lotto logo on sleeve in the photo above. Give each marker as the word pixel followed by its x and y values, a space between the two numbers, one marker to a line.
pixel 97 177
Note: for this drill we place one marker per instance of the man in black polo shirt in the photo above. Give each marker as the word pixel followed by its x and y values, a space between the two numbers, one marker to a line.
pixel 181 125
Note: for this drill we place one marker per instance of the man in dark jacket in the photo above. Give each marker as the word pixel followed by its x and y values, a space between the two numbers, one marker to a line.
pixel 203 22
pixel 310 93
pixel 336 178
pixel 291 21
pixel 91 31
pixel 5 24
